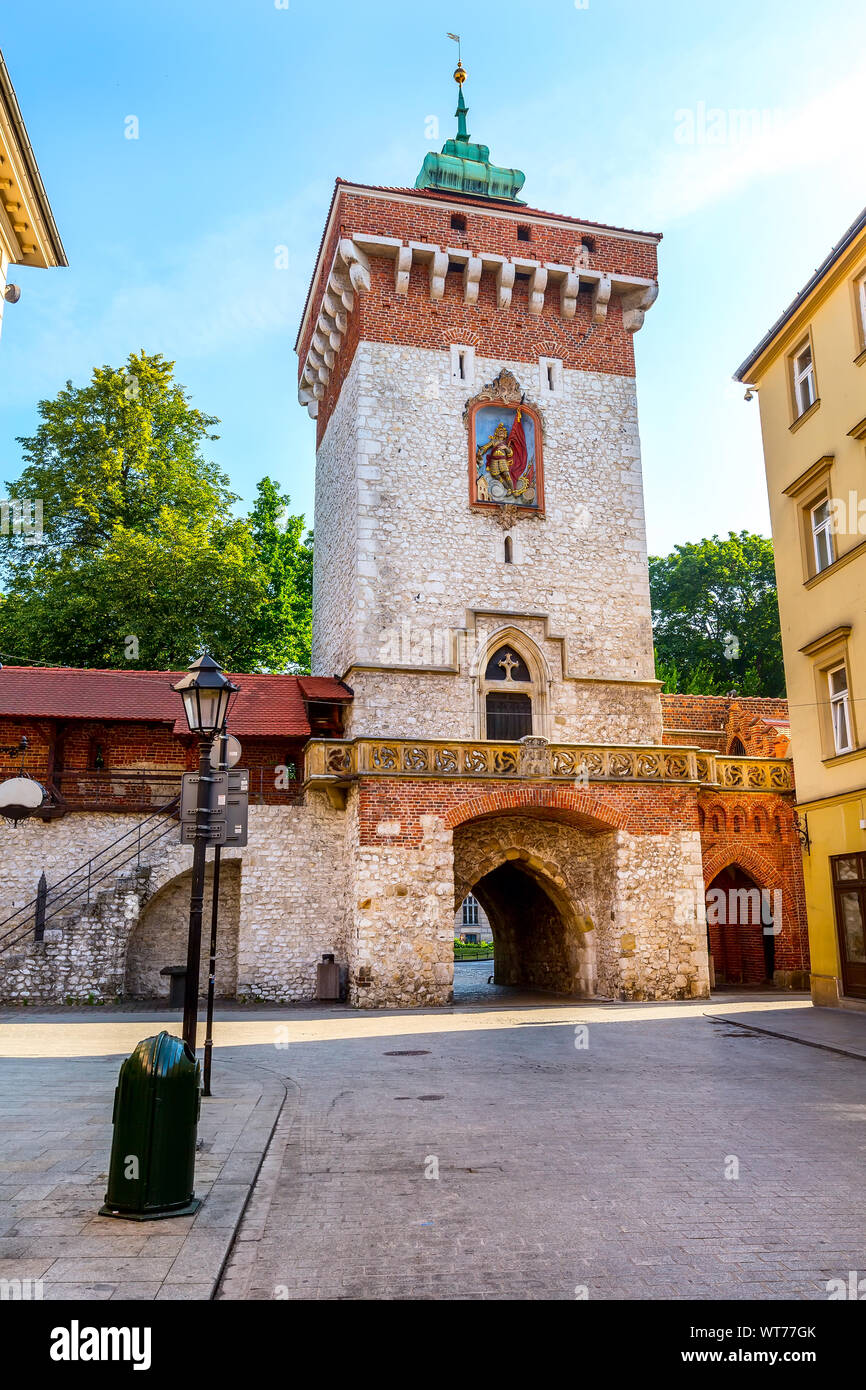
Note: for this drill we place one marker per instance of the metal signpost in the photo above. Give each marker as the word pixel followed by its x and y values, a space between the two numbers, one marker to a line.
pixel 225 753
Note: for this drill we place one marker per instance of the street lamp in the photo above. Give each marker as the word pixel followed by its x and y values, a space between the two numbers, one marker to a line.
pixel 206 693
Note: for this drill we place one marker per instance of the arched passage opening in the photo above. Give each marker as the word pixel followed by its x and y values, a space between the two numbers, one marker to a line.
pixel 741 925
pixel 159 937
pixel 533 948
pixel 543 885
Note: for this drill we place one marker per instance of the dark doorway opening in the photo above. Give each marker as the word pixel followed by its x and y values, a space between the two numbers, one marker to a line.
pixel 740 929
pixel 532 946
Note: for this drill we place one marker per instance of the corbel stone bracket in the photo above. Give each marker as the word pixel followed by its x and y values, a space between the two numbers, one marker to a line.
pixel 350 275
pixel 635 306
pixel 601 293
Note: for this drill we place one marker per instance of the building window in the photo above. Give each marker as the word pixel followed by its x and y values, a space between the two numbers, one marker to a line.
pixel 822 534
pixel 506 665
pixel 840 713
pixel 470 911
pixel 509 550
pixel 512 685
pixel 861 308
pixel 509 717
pixel 737 748
pixel 462 364
pixel 805 394
pixel 458 223
pixel 524 233
pixel 549 376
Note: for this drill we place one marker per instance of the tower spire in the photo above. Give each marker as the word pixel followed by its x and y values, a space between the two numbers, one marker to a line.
pixel 462 108
pixel 464 167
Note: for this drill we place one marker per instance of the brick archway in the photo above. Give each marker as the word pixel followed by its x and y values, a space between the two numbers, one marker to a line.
pixel 758 866
pixel 581 808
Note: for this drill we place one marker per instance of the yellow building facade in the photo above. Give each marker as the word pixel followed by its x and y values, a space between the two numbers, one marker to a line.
pixel 28 234
pixel 809 372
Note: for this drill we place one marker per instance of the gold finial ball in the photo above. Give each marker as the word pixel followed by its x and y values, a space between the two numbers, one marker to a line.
pixel 460 74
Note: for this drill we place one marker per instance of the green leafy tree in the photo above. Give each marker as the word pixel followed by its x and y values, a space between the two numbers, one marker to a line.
pixel 716 617
pixel 286 556
pixel 141 561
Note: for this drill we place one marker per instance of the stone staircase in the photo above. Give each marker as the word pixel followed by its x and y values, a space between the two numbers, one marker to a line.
pixel 68 945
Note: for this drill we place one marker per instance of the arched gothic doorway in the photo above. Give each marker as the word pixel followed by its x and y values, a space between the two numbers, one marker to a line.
pixel 740 928
pixel 541 885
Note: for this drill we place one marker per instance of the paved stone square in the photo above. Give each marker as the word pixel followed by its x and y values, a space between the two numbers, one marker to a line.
pixel 579 1147
pixel 561 1168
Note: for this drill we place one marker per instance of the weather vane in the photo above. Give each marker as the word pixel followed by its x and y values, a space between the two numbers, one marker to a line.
pixel 460 71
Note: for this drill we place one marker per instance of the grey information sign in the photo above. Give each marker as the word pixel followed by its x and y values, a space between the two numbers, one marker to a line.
pixel 228 819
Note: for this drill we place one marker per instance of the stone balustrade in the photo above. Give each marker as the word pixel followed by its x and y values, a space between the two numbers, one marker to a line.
pixel 330 761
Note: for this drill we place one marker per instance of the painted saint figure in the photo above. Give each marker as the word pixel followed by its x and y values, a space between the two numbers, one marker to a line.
pixel 500 458
pixel 505 460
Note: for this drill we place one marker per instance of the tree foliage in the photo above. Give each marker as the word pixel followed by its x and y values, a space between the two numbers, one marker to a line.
pixel 716 617
pixel 142 561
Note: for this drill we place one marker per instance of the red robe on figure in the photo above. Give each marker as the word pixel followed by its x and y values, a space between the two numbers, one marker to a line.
pixel 517 440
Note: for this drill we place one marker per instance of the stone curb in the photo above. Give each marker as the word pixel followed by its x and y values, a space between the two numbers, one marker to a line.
pixel 791 1037
pixel 238 1266
pixel 274 1096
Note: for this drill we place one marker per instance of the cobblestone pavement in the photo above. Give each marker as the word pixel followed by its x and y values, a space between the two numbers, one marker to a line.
pixel 560 1168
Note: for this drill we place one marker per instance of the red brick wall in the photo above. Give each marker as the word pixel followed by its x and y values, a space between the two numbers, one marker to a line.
pixel 512 334
pixel 712 721
pixel 768 852
pixel 638 808
pixel 132 748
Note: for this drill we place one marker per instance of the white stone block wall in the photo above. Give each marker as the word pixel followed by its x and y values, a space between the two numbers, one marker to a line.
pixel 401 938
pixel 659 948
pixel 402 556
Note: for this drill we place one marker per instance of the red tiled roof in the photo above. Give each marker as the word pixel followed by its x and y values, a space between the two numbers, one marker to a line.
pixel 265 706
pixel 323 688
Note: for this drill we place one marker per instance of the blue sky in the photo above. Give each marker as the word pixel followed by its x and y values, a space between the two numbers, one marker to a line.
pixel 618 112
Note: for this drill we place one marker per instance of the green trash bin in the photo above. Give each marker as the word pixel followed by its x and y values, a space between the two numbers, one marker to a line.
pixel 156 1110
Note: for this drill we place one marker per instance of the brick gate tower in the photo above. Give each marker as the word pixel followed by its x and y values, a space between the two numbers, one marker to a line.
pixel 481 585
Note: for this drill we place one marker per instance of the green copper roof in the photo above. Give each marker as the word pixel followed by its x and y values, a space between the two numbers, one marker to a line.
pixel 463 167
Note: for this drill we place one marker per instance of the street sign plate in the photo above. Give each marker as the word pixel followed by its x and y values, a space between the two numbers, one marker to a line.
pixel 216 832
pixel 227 821
pixel 234 751
pixel 219 786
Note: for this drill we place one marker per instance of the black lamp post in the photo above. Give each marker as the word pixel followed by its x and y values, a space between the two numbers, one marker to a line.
pixel 206 694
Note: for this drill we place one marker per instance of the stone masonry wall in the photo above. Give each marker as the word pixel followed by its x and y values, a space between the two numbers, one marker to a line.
pixel 393 472
pixel 293 905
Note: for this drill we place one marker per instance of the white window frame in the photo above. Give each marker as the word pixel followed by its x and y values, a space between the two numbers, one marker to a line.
pixel 462 356
pixel 470 911
pixel 861 306
pixel 804 380
pixel 822 533
pixel 550 376
pixel 840 711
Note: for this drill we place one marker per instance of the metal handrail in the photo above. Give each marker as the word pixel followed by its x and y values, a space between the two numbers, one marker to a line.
pixel 81 881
